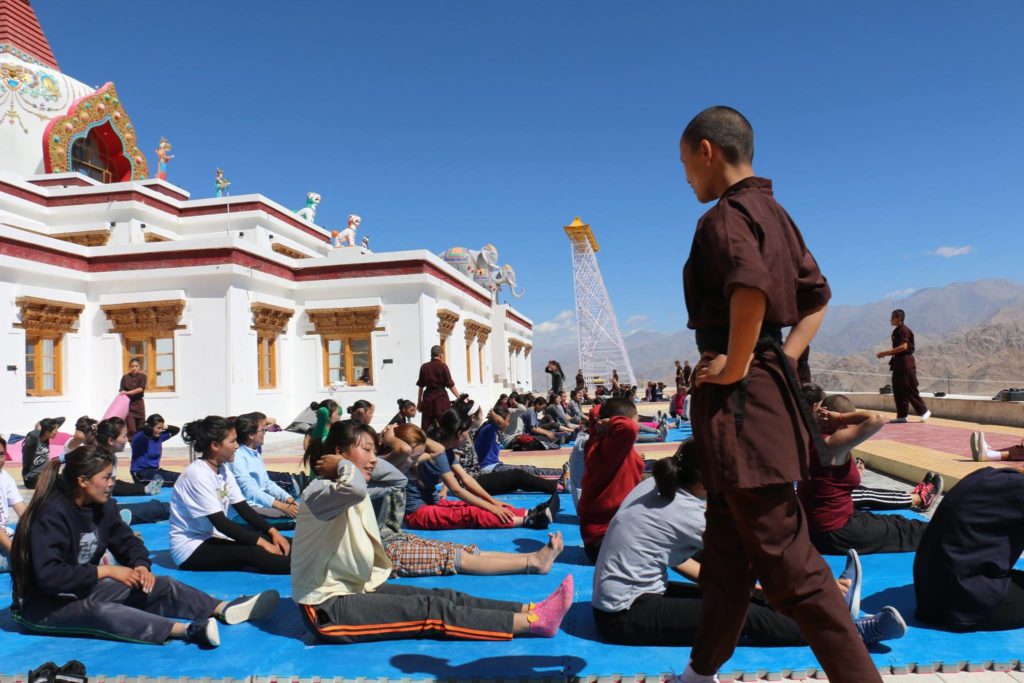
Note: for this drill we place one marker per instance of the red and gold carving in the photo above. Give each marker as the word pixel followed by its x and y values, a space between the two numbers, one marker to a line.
pixel 101 108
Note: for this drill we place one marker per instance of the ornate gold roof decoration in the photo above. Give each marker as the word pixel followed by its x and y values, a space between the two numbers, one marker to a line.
pixel 360 319
pixel 145 315
pixel 270 320
pixel 47 315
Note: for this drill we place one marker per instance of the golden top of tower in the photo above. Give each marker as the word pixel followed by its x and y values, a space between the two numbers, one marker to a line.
pixel 579 231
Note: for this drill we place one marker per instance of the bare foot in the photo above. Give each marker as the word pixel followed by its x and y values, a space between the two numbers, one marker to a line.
pixel 545 557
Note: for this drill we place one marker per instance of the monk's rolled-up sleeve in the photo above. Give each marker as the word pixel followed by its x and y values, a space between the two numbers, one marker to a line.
pixel 736 249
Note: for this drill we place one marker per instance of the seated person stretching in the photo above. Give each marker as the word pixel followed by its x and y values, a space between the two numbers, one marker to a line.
pixel 835 525
pixel 340 569
pixel 202 536
pixel 63 584
pixel 660 526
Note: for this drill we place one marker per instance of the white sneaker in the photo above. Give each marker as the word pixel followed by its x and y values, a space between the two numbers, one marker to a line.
pixel 927 414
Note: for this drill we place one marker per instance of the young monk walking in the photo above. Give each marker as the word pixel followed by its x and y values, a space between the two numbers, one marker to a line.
pixel 749 275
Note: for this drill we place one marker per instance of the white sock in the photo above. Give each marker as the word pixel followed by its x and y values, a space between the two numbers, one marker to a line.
pixel 691 676
pixel 989 452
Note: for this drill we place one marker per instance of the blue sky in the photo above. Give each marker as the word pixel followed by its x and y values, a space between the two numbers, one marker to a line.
pixel 893 131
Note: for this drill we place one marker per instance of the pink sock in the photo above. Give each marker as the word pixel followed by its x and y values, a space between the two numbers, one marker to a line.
pixel 546 617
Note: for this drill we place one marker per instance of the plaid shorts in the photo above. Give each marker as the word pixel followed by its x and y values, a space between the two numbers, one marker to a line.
pixel 414 556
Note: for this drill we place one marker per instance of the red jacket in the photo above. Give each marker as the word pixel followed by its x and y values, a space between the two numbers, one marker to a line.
pixel 612 468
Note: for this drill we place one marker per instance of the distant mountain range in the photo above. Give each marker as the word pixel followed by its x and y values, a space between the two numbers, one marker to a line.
pixel 972 330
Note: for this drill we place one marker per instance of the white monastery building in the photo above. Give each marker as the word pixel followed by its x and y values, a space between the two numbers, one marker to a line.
pixel 233 303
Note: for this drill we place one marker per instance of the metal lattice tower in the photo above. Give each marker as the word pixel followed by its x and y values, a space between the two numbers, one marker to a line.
pixel 597 329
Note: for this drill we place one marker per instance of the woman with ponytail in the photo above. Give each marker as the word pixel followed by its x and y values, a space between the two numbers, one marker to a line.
pixel 475 509
pixel 148 449
pixel 327 412
pixel 63 585
pixel 361 411
pixel 660 526
pixel 202 536
pixel 340 567
pixel 406 412
pixel 112 436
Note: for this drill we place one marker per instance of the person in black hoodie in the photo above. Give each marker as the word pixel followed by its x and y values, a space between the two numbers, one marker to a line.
pixel 35 452
pixel 64 583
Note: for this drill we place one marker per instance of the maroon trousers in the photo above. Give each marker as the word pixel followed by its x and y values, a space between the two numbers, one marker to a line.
pixel 904 390
pixel 761 535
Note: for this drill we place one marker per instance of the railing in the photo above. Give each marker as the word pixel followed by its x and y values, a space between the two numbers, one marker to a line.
pixel 832 379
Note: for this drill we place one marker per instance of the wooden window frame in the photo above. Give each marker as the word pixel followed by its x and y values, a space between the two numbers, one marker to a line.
pixel 266 363
pixel 149 355
pixel 38 375
pixel 46 319
pixel 269 322
pixel 346 325
pixel 348 367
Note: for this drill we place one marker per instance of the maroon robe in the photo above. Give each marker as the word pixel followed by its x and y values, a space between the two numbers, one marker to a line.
pixel 136 405
pixel 752 443
pixel 435 380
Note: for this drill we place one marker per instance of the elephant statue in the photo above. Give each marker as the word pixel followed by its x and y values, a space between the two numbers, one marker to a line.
pixel 507 276
pixel 482 267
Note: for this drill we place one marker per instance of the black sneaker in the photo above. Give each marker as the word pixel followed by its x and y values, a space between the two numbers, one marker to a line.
pixel 72 672
pixel 538 518
pixel 203 633
pixel 248 607
pixel 554 504
pixel 43 674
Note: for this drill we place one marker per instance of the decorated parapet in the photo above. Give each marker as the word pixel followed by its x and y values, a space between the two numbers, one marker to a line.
pixel 482 266
pixel 308 212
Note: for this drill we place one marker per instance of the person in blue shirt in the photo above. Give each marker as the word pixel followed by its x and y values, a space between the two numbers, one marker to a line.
pixel 496 477
pixel 263 495
pixel 148 448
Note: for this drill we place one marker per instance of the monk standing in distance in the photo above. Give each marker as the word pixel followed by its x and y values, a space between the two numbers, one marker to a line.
pixel 749 275
pixel 434 383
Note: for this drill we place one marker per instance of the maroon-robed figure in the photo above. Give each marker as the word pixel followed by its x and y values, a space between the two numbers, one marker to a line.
pixel 434 382
pixel 133 383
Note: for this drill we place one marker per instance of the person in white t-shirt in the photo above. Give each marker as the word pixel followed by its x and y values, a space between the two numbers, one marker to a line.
pixel 202 536
pixel 10 501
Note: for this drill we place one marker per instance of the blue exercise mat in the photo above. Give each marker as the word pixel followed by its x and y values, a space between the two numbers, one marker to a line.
pixel 281 646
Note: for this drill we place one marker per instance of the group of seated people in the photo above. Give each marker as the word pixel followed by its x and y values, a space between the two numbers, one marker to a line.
pixel 78 569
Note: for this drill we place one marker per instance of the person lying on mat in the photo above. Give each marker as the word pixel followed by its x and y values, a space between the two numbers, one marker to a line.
pixel 340 568
pixel 475 509
pixel 202 536
pixel 64 583
pixel 660 525
pixel 415 556
pixel 264 496
pixel 964 578
pixel 834 524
